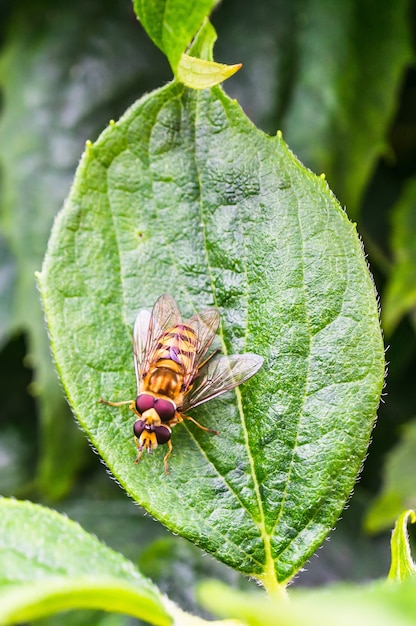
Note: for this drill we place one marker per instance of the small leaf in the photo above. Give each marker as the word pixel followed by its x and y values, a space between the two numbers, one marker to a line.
pixel 399 488
pixel 400 295
pixel 402 565
pixel 200 74
pixel 184 195
pixel 196 69
pixel 50 564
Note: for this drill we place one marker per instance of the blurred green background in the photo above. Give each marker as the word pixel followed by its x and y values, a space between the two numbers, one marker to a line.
pixel 339 80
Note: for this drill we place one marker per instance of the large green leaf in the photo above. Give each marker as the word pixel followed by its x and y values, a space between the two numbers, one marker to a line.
pixel 184 195
pixel 49 564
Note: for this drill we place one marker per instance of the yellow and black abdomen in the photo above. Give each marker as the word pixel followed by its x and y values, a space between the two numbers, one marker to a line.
pixel 177 349
pixel 172 363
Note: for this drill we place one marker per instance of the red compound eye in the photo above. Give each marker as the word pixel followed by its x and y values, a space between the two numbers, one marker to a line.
pixel 162 434
pixel 165 409
pixel 138 427
pixel 144 402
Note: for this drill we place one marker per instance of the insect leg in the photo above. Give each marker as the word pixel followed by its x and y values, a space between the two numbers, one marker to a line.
pixel 208 430
pixel 110 403
pixel 216 351
pixel 167 455
pixel 141 450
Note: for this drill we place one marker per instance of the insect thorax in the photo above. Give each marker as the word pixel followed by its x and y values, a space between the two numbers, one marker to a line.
pixel 164 381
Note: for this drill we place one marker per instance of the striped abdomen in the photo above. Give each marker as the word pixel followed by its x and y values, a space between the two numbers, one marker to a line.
pixel 172 367
pixel 177 349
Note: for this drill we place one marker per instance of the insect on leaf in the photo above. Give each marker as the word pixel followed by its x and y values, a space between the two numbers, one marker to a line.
pixel 183 195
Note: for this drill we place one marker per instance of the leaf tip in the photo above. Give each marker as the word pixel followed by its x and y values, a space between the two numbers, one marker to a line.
pixel 402 565
pixel 88 147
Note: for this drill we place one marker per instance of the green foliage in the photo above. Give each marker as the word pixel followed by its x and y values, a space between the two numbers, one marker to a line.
pixel 350 104
pixel 26 138
pixel 273 245
pixel 399 490
pixel 183 194
pixel 37 579
pixel 402 565
pixel 172 24
pixel 44 121
pixel 382 604
pixel 400 296
pixel 8 276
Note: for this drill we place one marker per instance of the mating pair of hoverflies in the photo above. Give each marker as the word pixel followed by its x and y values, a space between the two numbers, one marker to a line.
pixel 174 375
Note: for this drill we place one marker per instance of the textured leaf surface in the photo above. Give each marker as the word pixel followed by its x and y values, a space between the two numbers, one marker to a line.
pixel 49 564
pixel 184 195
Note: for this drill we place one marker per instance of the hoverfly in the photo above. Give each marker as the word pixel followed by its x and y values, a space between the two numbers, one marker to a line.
pixel 172 376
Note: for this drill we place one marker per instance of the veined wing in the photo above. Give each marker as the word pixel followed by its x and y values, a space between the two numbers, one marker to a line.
pixel 140 335
pixel 205 326
pixel 148 328
pixel 221 375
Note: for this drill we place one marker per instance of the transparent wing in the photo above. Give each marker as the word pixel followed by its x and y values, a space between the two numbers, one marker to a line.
pixel 140 334
pixel 166 312
pixel 148 329
pixel 221 375
pixel 205 326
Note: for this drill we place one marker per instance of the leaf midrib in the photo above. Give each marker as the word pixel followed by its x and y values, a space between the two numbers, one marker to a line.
pixel 178 96
pixel 261 522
